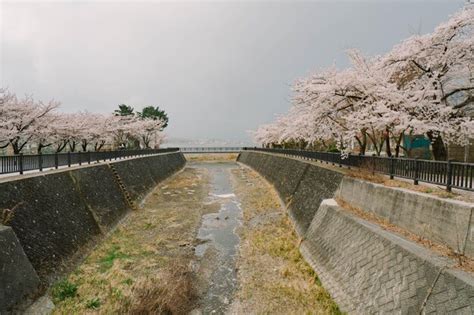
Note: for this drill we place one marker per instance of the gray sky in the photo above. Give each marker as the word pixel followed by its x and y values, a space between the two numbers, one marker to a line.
pixel 218 68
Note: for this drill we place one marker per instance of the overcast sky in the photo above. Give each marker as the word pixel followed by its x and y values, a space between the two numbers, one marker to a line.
pixel 218 68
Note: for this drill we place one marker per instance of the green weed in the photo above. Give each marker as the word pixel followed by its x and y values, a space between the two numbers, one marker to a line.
pixel 108 261
pixel 93 303
pixel 63 290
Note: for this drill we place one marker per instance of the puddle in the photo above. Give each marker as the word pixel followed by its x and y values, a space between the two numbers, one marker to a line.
pixel 218 233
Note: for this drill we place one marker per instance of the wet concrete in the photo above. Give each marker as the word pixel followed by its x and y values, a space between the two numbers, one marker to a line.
pixel 218 234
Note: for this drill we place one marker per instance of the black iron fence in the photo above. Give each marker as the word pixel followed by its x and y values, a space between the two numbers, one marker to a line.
pixel 211 149
pixel 446 173
pixel 22 163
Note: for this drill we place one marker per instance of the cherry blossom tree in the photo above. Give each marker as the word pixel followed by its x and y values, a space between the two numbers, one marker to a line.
pixel 25 121
pixel 20 118
pixel 420 87
pixel 147 129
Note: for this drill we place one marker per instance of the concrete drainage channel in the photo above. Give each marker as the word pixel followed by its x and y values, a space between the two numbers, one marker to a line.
pixel 218 233
pixel 375 271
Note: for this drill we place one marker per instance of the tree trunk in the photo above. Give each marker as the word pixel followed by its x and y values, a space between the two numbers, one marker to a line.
pixel 16 149
pixel 72 146
pixel 439 149
pixel 61 146
pixel 362 141
pixel 398 144
pixel 388 150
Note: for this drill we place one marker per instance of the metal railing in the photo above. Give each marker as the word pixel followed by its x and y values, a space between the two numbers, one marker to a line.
pixel 445 173
pixel 22 163
pixel 211 149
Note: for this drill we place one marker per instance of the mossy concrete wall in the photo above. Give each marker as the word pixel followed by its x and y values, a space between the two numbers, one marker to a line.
pixel 57 216
pixel 367 269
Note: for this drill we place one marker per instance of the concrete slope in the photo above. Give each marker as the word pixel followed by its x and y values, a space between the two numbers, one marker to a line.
pixel 365 268
pixel 379 272
pixel 58 216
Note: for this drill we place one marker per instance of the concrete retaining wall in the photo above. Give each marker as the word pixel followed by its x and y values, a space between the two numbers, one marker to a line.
pixel 379 272
pixel 58 215
pixel 139 177
pixel 19 281
pixel 301 185
pixel 445 221
pixel 367 269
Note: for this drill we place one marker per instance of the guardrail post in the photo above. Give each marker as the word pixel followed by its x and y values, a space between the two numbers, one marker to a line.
pixel 449 178
pixel 40 161
pixel 88 157
pixel 392 167
pixel 417 170
pixel 79 157
pixel 56 160
pixel 20 162
pixel 69 159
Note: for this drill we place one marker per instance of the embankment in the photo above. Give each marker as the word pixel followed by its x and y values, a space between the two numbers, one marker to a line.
pixel 368 269
pixel 50 220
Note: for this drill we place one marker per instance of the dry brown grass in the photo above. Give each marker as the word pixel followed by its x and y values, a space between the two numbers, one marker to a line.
pixel 461 261
pixel 174 292
pixel 370 176
pixel 132 269
pixel 211 157
pixel 273 276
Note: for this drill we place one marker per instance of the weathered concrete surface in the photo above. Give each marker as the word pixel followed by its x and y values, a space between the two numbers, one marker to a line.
pixel 441 220
pixel 50 219
pixel 300 184
pixel 285 174
pixel 379 272
pixel 18 279
pixel 101 193
pixel 42 306
pixel 316 185
pixel 142 174
pixel 57 216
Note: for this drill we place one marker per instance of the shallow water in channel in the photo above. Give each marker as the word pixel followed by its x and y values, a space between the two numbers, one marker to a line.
pixel 219 234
